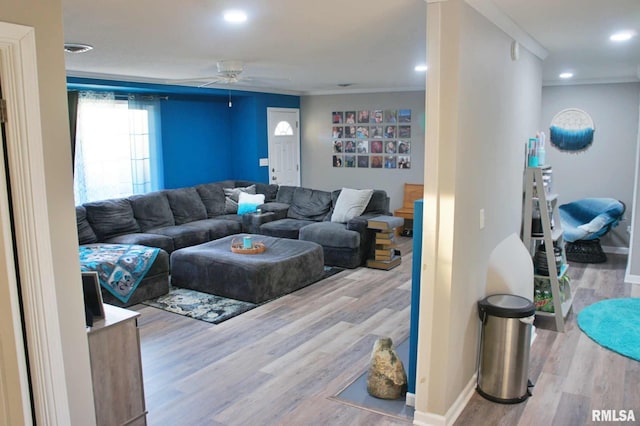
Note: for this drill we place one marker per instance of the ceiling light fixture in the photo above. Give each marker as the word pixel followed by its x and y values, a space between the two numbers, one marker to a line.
pixel 566 75
pixel 622 35
pixel 77 47
pixel 235 16
pixel 421 68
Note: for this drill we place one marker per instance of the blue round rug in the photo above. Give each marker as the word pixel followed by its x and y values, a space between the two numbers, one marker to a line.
pixel 614 324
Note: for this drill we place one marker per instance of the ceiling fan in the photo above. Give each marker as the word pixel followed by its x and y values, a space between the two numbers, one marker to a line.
pixel 229 72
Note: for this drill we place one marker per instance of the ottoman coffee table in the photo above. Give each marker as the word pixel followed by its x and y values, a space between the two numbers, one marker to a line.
pixel 285 266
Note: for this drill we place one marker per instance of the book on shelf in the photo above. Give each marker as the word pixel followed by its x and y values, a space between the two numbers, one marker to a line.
pixel 385 223
pixel 384 264
pixel 387 251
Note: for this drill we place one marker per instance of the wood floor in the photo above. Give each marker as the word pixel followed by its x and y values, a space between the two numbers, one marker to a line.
pixel 572 374
pixel 282 363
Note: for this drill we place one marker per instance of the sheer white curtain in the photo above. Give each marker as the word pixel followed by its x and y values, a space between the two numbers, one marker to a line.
pixel 117 149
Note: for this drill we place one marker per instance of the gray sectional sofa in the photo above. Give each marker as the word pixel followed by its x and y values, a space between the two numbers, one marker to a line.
pixel 178 218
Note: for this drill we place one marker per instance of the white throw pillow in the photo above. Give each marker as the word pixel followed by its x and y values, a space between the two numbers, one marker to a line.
pixel 248 203
pixel 350 203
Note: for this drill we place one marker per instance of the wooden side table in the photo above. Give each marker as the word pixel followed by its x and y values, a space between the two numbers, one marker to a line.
pixel 116 368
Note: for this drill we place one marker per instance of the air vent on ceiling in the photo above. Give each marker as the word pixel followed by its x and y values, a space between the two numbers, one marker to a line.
pixel 77 47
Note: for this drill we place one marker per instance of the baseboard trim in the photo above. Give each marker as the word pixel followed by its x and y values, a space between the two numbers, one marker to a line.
pixel 430 419
pixel 631 279
pixel 615 250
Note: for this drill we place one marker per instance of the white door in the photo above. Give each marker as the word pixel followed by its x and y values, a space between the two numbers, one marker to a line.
pixel 284 146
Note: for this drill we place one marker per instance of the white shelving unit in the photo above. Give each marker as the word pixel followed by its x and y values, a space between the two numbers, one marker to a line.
pixel 547 203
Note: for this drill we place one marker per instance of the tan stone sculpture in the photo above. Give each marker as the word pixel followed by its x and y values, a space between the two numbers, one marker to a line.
pixel 387 378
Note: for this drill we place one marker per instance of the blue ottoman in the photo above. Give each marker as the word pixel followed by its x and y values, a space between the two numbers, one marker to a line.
pixel 285 266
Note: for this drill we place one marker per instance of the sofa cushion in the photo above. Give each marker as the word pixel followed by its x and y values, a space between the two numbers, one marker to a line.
pixel 212 195
pixel 309 204
pixel 330 234
pixel 350 203
pixel 109 218
pixel 248 203
pixel 233 194
pixel 151 240
pixel 152 210
pixel 284 228
pixel 379 203
pixel 85 232
pixel 269 190
pixel 285 194
pixel 218 228
pixel 186 205
pixel 189 234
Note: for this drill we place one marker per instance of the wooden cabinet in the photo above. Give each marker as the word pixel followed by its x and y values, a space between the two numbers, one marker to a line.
pixel 116 368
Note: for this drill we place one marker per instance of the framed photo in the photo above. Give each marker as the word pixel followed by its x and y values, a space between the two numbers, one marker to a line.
pixel 350 117
pixel 404 162
pixel 92 294
pixel 362 132
pixel 349 147
pixel 362 147
pixel 337 132
pixel 337 161
pixel 376 131
pixel 404 147
pixel 404 131
pixel 363 116
pixel 349 131
pixel 376 147
pixel 363 161
pixel 337 117
pixel 349 160
pixel 390 116
pixel 337 146
pixel 390 147
pixel 376 116
pixel 404 116
pixel 390 132
pixel 390 162
pixel 376 161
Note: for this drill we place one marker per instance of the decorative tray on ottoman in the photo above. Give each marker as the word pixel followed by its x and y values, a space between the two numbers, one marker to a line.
pixel 238 246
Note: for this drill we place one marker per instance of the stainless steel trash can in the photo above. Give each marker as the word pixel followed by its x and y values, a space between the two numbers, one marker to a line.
pixel 505 340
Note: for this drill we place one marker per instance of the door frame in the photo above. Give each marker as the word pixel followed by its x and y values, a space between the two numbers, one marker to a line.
pixel 271 110
pixel 25 152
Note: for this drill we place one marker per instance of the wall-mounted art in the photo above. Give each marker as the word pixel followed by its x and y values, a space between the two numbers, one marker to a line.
pixel 374 138
pixel 571 130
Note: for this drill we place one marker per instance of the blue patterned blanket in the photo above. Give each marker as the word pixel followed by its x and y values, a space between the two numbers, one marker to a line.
pixel 120 267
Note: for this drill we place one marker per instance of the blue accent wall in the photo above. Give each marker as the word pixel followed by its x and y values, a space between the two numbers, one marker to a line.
pixel 203 140
pixel 195 138
pixel 416 269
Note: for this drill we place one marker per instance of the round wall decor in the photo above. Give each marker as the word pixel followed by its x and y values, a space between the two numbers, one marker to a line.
pixel 571 130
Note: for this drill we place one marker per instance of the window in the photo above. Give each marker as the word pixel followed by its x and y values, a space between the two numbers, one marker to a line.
pixel 283 129
pixel 116 147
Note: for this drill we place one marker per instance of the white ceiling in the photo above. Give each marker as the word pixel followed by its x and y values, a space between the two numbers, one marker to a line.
pixel 303 46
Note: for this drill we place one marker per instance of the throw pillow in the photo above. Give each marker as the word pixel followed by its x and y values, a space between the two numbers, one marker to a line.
pixel 248 203
pixel 350 203
pixel 232 195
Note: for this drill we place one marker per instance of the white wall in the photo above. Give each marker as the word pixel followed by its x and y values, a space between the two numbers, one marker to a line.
pixel 482 106
pixel 607 167
pixel 46 18
pixel 317 146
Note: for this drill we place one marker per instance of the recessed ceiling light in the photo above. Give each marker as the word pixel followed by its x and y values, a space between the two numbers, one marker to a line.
pixel 235 16
pixel 566 75
pixel 622 35
pixel 421 68
pixel 77 47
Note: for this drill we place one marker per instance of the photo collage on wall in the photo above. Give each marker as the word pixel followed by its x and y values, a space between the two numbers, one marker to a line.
pixel 376 139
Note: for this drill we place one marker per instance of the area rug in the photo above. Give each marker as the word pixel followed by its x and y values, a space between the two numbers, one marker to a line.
pixel 209 307
pixel 614 324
